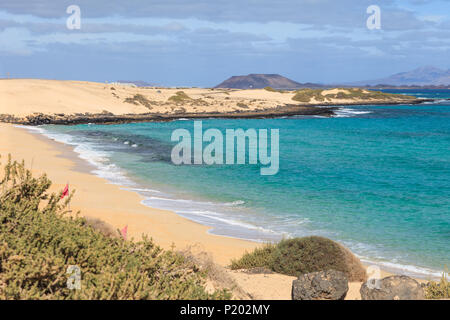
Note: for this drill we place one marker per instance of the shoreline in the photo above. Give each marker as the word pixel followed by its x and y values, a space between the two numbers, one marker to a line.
pixel 167 228
pixel 62 165
pixel 322 109
pixel 81 164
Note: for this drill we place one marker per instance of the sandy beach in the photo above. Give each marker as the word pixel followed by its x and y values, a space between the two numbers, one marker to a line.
pixel 97 198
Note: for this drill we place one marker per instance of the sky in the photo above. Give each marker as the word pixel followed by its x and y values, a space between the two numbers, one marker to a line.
pixel 203 42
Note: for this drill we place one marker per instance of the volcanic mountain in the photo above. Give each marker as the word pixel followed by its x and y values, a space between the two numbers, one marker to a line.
pixel 424 76
pixel 259 81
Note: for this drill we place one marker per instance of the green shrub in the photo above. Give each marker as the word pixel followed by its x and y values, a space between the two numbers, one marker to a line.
pixel 305 95
pixel 341 95
pixel 180 96
pixel 304 255
pixel 270 89
pixel 259 258
pixel 38 243
pixel 438 290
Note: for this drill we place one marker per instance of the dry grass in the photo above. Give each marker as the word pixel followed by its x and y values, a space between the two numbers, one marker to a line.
pixel 438 290
pixel 104 228
pixel 139 99
pixel 180 96
pixel 217 276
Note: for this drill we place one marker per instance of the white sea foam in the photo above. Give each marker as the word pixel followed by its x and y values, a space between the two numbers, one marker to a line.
pixel 440 101
pixel 223 217
pixel 348 112
pixel 410 270
pixel 219 215
pixel 235 203
pixel 371 254
pixel 143 190
pixel 88 152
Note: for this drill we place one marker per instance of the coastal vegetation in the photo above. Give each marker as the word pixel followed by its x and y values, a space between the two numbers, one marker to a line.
pixel 305 95
pixel 349 94
pixel 139 99
pixel 298 256
pixel 40 243
pixel 242 105
pixel 270 89
pixel 180 96
pixel 438 290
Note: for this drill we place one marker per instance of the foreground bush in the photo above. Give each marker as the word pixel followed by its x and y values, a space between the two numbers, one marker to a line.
pixel 304 255
pixel 438 290
pixel 38 243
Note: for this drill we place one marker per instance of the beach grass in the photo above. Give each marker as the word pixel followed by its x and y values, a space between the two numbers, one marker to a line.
pixel 357 94
pixel 270 89
pixel 39 241
pixel 261 257
pixel 305 95
pixel 139 99
pixel 180 96
pixel 438 290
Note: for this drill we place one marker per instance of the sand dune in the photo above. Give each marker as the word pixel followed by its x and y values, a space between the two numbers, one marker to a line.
pixel 25 97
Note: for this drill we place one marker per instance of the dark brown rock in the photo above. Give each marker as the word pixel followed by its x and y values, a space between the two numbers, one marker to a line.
pixel 323 285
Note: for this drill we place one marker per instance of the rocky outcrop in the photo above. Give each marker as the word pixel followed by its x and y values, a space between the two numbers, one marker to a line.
pixel 324 109
pixel 108 118
pixel 392 288
pixel 323 285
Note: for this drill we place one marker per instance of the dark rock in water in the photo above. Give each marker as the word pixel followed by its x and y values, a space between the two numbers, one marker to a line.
pixel 323 285
pixel 392 288
pixel 108 118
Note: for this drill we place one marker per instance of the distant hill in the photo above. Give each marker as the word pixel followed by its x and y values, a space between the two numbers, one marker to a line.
pixel 424 76
pixel 259 81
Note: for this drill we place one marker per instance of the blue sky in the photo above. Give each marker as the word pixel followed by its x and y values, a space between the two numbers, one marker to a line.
pixel 203 42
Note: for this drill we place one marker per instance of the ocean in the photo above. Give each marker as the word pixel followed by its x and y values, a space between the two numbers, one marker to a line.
pixel 375 178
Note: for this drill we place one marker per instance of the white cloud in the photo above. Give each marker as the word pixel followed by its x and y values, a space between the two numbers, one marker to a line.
pixel 15 41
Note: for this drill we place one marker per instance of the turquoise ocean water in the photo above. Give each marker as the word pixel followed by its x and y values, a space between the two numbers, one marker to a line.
pixel 376 178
